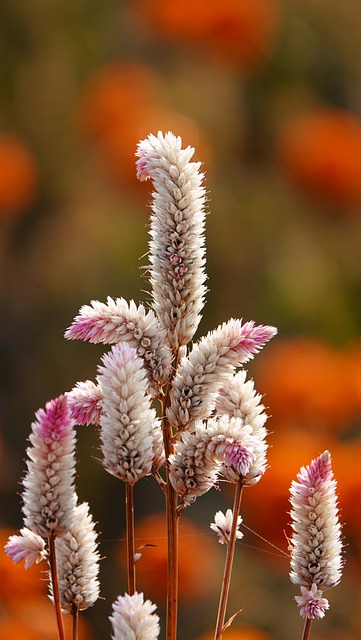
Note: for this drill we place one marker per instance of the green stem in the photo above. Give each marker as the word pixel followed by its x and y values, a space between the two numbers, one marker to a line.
pixel 129 508
pixel 228 564
pixel 55 584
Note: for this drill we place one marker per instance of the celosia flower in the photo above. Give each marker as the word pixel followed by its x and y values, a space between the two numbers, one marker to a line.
pixel 222 525
pixel 131 437
pixel 134 619
pixel 316 547
pixel 85 401
pixel 222 444
pixel 28 546
pixel 311 603
pixel 238 398
pixel 49 494
pixel 117 321
pixel 78 562
pixel 211 361
pixel 177 251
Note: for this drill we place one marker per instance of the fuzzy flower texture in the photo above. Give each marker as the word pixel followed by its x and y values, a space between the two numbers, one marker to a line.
pixel 316 547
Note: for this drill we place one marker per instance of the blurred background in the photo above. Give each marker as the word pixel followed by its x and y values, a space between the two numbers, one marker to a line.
pixel 268 92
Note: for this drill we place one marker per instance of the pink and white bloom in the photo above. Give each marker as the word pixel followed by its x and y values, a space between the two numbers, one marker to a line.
pixel 133 618
pixel 311 603
pixel 237 398
pixel 85 401
pixel 315 545
pixel 119 321
pixel 27 546
pixel 210 363
pixel 222 525
pixel 49 493
pixel 177 245
pixel 130 432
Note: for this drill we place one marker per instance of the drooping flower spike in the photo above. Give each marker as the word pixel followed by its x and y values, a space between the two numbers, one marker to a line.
pixel 316 546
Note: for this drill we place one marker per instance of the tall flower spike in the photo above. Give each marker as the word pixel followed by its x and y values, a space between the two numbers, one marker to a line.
pixel 120 321
pixel 134 619
pixel 49 494
pixel 207 367
pixel 177 245
pixel 316 547
pixel 238 398
pixel 78 562
pixel 130 431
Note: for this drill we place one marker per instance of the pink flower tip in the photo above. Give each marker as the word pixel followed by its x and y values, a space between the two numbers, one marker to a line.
pixel 311 603
pixel 28 546
pixel 55 421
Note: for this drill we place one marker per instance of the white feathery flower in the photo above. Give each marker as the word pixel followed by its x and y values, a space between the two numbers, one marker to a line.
pixel 130 432
pixel 78 562
pixel 238 398
pixel 28 546
pixel 49 494
pixel 85 401
pixel 218 445
pixel 120 321
pixel 177 245
pixel 315 545
pixel 222 525
pixel 134 619
pixel 209 364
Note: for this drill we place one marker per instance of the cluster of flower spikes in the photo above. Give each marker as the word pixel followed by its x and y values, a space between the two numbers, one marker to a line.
pixel 228 443
pixel 51 510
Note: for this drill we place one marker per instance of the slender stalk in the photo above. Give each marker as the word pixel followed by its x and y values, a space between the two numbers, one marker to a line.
pixel 228 564
pixel 172 525
pixel 55 583
pixel 306 629
pixel 129 508
pixel 75 627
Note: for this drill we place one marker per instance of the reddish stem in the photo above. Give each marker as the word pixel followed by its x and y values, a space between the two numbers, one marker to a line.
pixel 228 564
pixel 55 584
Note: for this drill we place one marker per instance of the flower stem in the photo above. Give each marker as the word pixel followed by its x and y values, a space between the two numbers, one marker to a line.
pixel 306 629
pixel 55 583
pixel 75 628
pixel 129 508
pixel 228 564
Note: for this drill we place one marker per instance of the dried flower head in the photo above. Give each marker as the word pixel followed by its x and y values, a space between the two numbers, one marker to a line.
pixel 222 525
pixel 131 439
pixel 316 547
pixel 134 619
pixel 49 495
pixel 78 562
pixel 177 251
pixel 28 546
